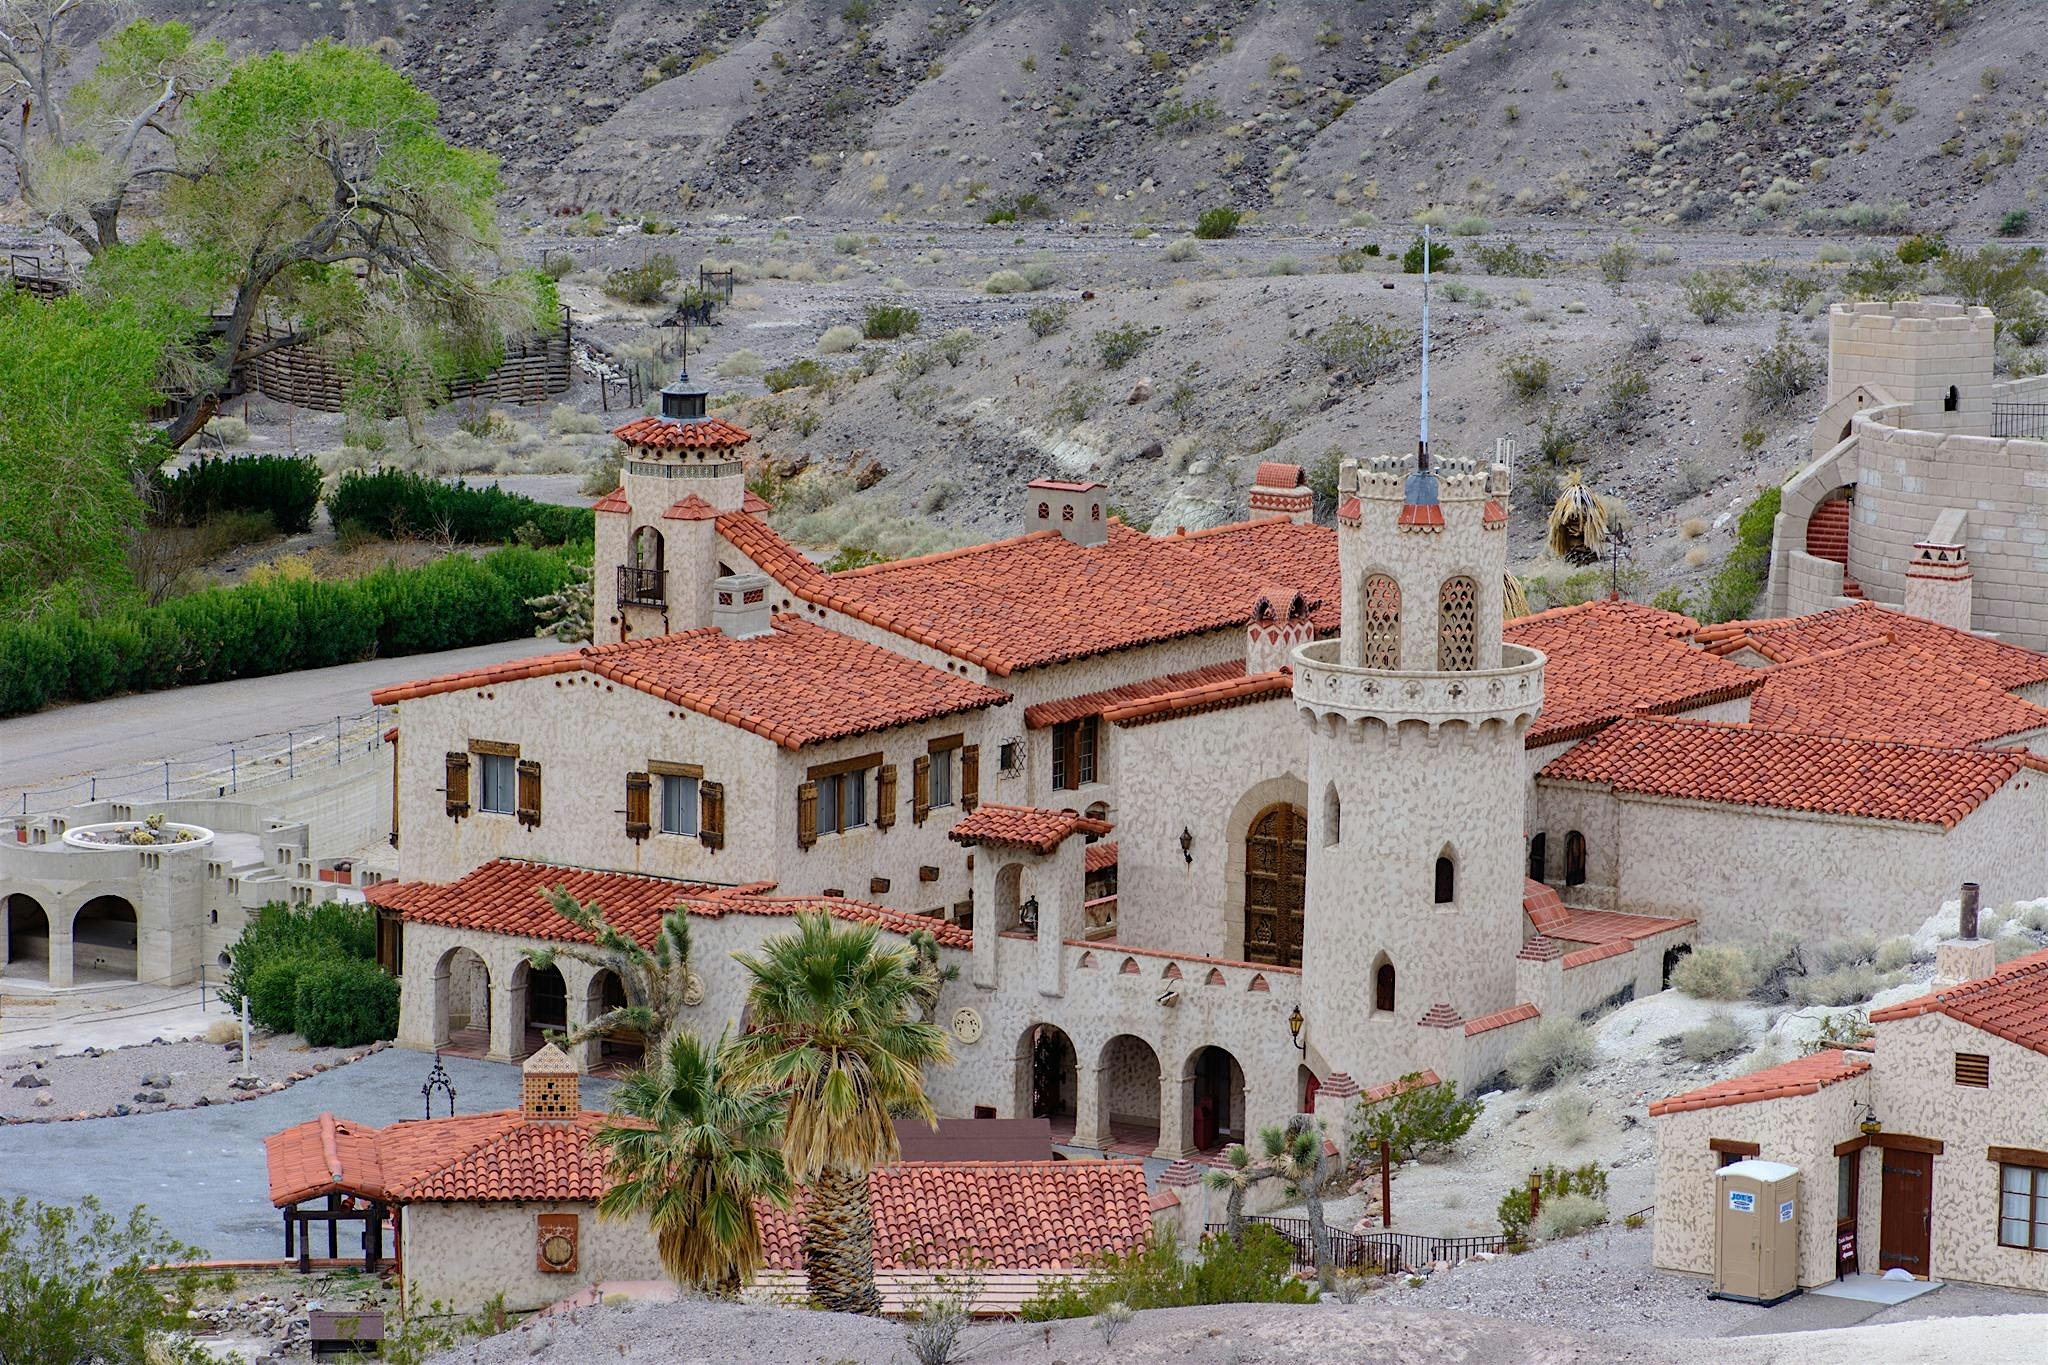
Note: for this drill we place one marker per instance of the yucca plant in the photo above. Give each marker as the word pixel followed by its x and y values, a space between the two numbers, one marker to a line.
pixel 1237 1175
pixel 1295 1154
pixel 657 980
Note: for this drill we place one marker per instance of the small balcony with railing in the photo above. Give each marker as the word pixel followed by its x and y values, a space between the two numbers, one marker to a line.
pixel 641 587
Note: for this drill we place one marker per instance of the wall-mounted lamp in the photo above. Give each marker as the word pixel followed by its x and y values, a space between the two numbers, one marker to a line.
pixel 1295 1023
pixel 1187 844
pixel 1027 914
pixel 1870 1127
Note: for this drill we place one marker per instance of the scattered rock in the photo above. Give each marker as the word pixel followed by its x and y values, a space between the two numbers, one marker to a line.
pixel 32 1082
pixel 150 1097
pixel 44 1101
pixel 157 1080
pixel 1141 392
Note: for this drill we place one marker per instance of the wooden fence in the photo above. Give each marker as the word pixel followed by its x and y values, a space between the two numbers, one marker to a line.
pixel 532 370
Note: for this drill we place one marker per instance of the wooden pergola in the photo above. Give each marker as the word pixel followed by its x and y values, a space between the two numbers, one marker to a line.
pixel 340 1208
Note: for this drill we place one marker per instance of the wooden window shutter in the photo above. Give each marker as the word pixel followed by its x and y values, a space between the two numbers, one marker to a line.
pixel 885 797
pixel 638 823
pixel 806 814
pixel 970 776
pixel 529 791
pixel 711 814
pixel 458 784
pixel 920 788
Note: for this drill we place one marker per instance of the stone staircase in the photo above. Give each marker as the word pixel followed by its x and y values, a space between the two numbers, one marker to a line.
pixel 1827 537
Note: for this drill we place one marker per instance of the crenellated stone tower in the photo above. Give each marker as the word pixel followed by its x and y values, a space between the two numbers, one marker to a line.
pixel 657 544
pixel 1416 772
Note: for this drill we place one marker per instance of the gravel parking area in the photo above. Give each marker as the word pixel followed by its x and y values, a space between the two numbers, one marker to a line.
pixel 45 1086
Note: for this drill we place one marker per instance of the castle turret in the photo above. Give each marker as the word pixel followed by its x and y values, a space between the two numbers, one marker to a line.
pixel 657 544
pixel 1936 358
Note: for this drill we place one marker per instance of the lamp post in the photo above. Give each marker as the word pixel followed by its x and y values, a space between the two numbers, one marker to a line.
pixel 1187 845
pixel 1295 1023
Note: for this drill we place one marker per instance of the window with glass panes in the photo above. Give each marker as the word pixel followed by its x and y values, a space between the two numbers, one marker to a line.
pixel 2023 1207
pixel 498 783
pixel 1073 753
pixel 678 803
pixel 842 801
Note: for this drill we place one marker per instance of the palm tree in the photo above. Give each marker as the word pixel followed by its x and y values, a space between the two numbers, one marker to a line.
pixel 692 1149
pixel 837 1030
pixel 1295 1154
pixel 1578 522
pixel 1514 597
pixel 657 980
pixel 1237 1175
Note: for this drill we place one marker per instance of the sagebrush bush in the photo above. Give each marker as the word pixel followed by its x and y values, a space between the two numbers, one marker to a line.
pixel 644 283
pixel 1359 349
pixel 1527 375
pixel 1557 1182
pixel 1617 263
pixel 796 374
pixel 1006 282
pixel 1778 378
pixel 1183 249
pixel 1570 1116
pixel 887 321
pixel 1217 223
pixel 1556 1049
pixel 1896 954
pixel 838 339
pixel 1047 319
pixel 229 431
pixel 741 364
pixel 1711 298
pixel 1118 346
pixel 1842 986
pixel 345 1003
pixel 1567 1215
pixel 1718 1037
pixel 564 420
pixel 1719 971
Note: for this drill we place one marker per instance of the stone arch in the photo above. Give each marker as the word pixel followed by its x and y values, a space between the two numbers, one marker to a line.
pixel 105 937
pixel 1672 957
pixel 647 549
pixel 1048 1077
pixel 1445 884
pixel 1214 1096
pixel 1010 896
pixel 1951 400
pixel 1383 979
pixel 1255 801
pixel 1380 621
pixel 1127 1080
pixel 1333 817
pixel 27 934
pixel 1539 857
pixel 543 999
pixel 1574 859
pixel 462 1001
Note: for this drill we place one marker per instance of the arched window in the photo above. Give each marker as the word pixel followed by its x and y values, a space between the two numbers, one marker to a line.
pixel 1457 625
pixel 1381 625
pixel 647 549
pixel 1333 816
pixel 1948 404
pixel 1095 511
pixel 1044 512
pixel 1539 858
pixel 1446 878
pixel 1383 988
pixel 1574 859
pixel 1067 512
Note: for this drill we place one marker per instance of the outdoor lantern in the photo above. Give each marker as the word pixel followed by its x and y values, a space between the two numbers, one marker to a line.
pixel 1870 1126
pixel 1027 913
pixel 1294 1024
pixel 1187 844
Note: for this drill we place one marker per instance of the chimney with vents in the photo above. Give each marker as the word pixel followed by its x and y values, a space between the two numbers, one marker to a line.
pixel 1279 623
pixel 1078 511
pixel 1283 488
pixel 1966 956
pixel 549 1088
pixel 740 605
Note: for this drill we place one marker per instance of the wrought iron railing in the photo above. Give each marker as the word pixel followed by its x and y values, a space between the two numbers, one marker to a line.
pixel 642 587
pixel 1387 1252
pixel 2020 421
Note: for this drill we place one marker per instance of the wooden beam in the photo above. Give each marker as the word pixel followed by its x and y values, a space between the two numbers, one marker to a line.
pixel 1905 1142
pixel 1854 1144
pixel 1730 1147
pixel 2017 1156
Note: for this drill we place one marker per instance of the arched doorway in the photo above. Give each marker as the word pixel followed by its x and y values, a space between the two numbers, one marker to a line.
pixel 103 937
pixel 28 937
pixel 1275 885
pixel 547 1006
pixel 1672 957
pixel 1574 859
pixel 623 1048
pixel 1129 1097
pixel 1216 1099
pixel 462 1003
pixel 1054 1079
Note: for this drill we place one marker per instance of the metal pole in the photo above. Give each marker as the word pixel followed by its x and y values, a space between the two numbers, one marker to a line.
pixel 202 988
pixel 291 762
pixel 92 790
pixel 337 739
pixel 245 1043
pixel 1386 1184
pixel 234 773
pixel 167 779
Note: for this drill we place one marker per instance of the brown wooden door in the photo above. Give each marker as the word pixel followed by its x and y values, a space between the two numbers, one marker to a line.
pixel 1907 1211
pixel 1275 879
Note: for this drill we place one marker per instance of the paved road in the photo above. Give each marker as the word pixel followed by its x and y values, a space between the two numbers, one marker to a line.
pixel 201 1171
pixel 67 741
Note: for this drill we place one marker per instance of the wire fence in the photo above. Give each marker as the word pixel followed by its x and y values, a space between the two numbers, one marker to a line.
pixel 253 764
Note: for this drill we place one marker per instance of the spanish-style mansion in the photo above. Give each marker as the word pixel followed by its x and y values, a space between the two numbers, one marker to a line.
pixel 1209 822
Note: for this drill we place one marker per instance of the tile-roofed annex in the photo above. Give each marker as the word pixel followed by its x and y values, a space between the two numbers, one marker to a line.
pixel 2011 1003
pixel 504 897
pixel 1001 1215
pixel 1802 1076
pixel 1064 709
pixel 705 433
pixel 1785 638
pixel 1606 660
pixel 1550 917
pixel 1027 827
pixel 614 501
pixel 690 507
pixel 800 684
pixel 1191 701
pixel 1040 599
pixel 1820 774
pixel 1881 688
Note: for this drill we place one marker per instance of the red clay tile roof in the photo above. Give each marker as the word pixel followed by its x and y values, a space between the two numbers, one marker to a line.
pixel 658 433
pixel 504 897
pixel 1278 474
pixel 614 501
pixel 322 1155
pixel 1215 696
pixel 1804 1076
pixel 1493 514
pixel 2011 1003
pixel 1048 713
pixel 490 1157
pixel 1025 827
pixel 1587 956
pixel 1784 638
pixel 1513 1014
pixel 1348 511
pixel 1606 660
pixel 755 503
pixel 1743 766
pixel 1541 904
pixel 800 684
pixel 1884 689
pixel 1609 926
pixel 1003 1215
pixel 1372 1094
pixel 1040 599
pixel 1428 517
pixel 690 508
pixel 1099 856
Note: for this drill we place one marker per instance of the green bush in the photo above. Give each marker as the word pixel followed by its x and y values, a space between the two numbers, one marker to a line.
pixel 345 1003
pixel 1261 1270
pixel 887 321
pixel 1556 1049
pixel 274 993
pixel 400 505
pixel 1047 319
pixel 278 932
pixel 1732 591
pixel 1566 1215
pixel 1711 298
pixel 1512 258
pixel 1587 1181
pixel 2014 223
pixel 797 374
pixel 1006 282
pixel 1217 223
pixel 1528 375
pixel 1118 346
pixel 277 624
pixel 1922 247
pixel 1359 349
pixel 1440 255
pixel 285 486
pixel 643 283
pixel 1717 972
pixel 1419 1119
pixel 1718 1037
pixel 1617 263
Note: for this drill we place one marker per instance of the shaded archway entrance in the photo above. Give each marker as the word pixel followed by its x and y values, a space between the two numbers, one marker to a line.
pixel 462 1003
pixel 1054 1080
pixel 28 937
pixel 1216 1100
pixel 547 1006
pixel 1275 885
pixel 623 1048
pixel 1128 1075
pixel 103 938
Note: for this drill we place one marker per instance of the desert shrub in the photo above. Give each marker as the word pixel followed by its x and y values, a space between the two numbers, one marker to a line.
pixel 1895 954
pixel 1183 249
pixel 1718 1037
pixel 1617 263
pixel 741 364
pixel 564 420
pixel 839 339
pixel 1848 985
pixel 1733 590
pixel 229 431
pixel 1570 1116
pixel 1421 1119
pixel 2014 223
pixel 1880 275
pixel 1047 319
pixel 956 345
pixel 273 993
pixel 1038 274
pixel 1360 349
pixel 1440 255
pixel 1260 1270
pixel 287 487
pixel 1217 223
pixel 402 505
pixel 1283 265
pixel 345 1003
pixel 1922 247
pixel 1711 298
pixel 1719 971
pixel 1778 378
pixel 1118 346
pixel 1556 1182
pixel 1472 225
pixel 1562 1217
pixel 643 283
pixel 1555 1049
pixel 797 374
pixel 1862 217
pixel 932 1335
pixel 1511 258
pixel 1626 398
pixel 846 243
pixel 1006 282
pixel 1995 277
pixel 2014 946
pixel 887 321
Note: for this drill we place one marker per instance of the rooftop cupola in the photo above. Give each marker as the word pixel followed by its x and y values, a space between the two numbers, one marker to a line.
pixel 1078 511
pixel 685 400
pixel 549 1087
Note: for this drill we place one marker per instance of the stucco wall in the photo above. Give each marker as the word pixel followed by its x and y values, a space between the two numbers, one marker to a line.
pixel 463 1254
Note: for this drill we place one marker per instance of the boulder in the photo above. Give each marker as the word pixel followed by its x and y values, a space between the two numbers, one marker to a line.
pixel 157 1080
pixel 150 1097
pixel 32 1082
pixel 1141 392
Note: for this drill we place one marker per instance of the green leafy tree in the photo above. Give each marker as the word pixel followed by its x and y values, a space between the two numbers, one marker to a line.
pixel 76 1287
pixel 691 1149
pixel 1238 1174
pixel 837 1031
pixel 1295 1154
pixel 1414 1120
pixel 658 980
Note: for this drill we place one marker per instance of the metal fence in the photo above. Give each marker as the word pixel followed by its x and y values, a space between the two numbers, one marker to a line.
pixel 256 763
pixel 1386 1252
pixel 2024 421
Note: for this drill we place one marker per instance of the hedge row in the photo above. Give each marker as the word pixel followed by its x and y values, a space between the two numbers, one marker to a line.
pixel 397 504
pixel 310 972
pixel 276 626
pixel 285 486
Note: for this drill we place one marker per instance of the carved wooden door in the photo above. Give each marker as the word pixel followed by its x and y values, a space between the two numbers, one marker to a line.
pixel 1275 881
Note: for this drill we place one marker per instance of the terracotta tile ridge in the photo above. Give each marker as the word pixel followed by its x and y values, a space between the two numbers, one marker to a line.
pixel 1113 946
pixel 512 670
pixel 1250 687
pixel 1827 656
pixel 2015 757
pixel 1613 947
pixel 1513 1014
pixel 1039 715
pixel 1183 534
pixel 942 556
pixel 328 1148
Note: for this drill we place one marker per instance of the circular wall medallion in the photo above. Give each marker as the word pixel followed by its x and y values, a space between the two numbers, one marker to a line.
pixel 966 1025
pixel 693 990
pixel 557 1250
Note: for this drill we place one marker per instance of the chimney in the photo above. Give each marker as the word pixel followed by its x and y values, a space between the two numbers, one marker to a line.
pixel 550 1090
pixel 1078 511
pixel 1965 957
pixel 740 607
pixel 1283 488
pixel 1938 584
pixel 1279 622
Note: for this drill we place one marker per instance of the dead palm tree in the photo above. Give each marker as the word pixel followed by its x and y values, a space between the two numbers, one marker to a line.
pixel 692 1151
pixel 1578 522
pixel 1514 597
pixel 1295 1154
pixel 836 1029
pixel 657 980
pixel 1237 1175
